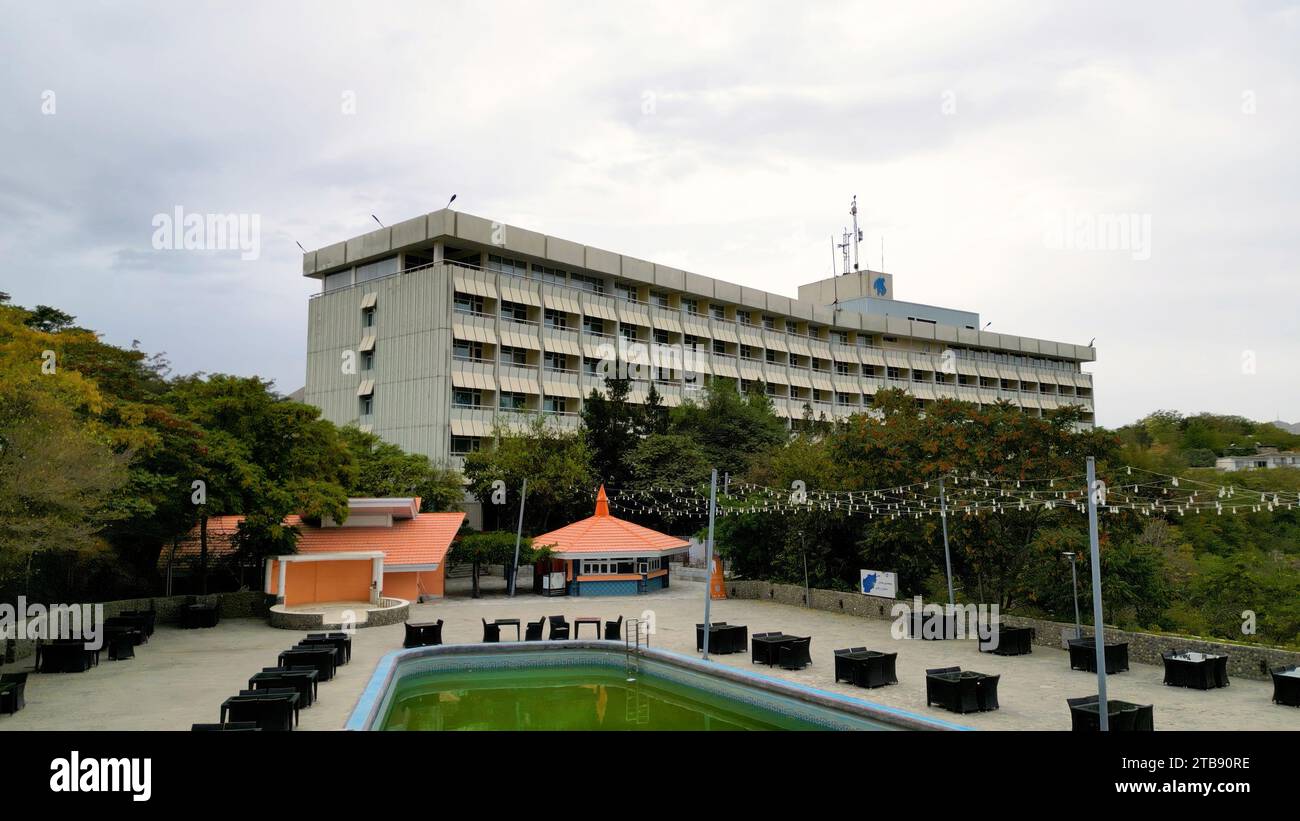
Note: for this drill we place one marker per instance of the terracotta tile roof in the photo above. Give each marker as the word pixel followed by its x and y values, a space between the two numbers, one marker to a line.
pixel 424 539
pixel 605 534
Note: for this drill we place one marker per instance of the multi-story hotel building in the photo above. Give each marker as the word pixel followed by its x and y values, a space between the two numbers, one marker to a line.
pixel 434 330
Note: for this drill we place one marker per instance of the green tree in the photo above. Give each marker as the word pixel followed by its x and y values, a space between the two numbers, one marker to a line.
pixel 385 470
pixel 494 547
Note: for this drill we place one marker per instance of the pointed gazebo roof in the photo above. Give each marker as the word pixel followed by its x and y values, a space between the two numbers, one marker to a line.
pixel 604 535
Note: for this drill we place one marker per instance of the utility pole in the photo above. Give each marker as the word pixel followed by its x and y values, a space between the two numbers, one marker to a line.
pixel 519 532
pixel 708 560
pixel 1099 639
pixel 947 556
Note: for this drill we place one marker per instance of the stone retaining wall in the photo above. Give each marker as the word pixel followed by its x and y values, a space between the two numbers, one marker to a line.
pixel 1244 660
pixel 245 604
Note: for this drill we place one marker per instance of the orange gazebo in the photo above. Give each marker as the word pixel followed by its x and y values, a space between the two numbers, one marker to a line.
pixel 604 555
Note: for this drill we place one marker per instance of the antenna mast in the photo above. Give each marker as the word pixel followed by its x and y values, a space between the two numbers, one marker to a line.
pixel 857 233
pixel 843 245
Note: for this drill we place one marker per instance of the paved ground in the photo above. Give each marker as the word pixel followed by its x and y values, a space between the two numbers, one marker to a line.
pixel 182 676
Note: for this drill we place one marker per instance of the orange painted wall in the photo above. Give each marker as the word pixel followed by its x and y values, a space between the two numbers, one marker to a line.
pixel 409 586
pixel 308 582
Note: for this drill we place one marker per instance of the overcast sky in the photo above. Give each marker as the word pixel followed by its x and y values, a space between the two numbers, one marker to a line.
pixel 722 138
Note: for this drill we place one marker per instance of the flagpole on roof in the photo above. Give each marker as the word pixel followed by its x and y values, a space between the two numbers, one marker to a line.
pixel 708 560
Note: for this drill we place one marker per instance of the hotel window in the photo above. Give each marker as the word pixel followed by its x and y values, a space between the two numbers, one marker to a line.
pixel 547 274
pixel 813 331
pixel 718 311
pixel 556 362
pixel 820 364
pixel 625 292
pixel 556 319
pixel 661 337
pixel 770 356
pixel 868 370
pixel 691 341
pixel 466 398
pixel 769 323
pixel 461 445
pixel 590 366
pixel 659 299
pixel 367 361
pixel 368 317
pixel 864 340
pixel 514 311
pixel 841 337
pixel 466 351
pixel 339 279
pixel 719 346
pixel 746 352
pixel 842 368
pixel 791 327
pixel 513 356
pixel 744 317
pixel 691 306
pixel 593 325
pixel 375 270
pixel 506 265
pixel 586 283
pixel 367 405
pixel 628 332
pixel 468 304
pixel 554 404
pixel 512 401
pixel 893 373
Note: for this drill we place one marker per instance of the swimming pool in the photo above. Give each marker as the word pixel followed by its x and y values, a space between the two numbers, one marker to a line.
pixel 587 685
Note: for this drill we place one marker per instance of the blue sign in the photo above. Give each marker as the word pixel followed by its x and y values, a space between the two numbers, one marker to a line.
pixel 880 286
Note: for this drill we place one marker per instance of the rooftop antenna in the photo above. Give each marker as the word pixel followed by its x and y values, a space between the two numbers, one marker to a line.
pixel 450 201
pixel 857 232
pixel 882 253
pixel 376 219
pixel 834 273
pixel 844 249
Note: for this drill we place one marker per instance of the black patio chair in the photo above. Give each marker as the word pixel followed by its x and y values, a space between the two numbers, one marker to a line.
pixel 559 627
pixel 932 687
pixel 987 692
pixel 322 658
pixel 121 645
pixel 1221 671
pixel 844 666
pixel 795 655
pixel 423 634
pixel 491 632
pixel 12 692
pixel 614 629
pixel 533 631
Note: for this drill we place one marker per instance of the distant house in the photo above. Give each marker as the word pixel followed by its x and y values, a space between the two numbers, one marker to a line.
pixel 385 547
pixel 1263 459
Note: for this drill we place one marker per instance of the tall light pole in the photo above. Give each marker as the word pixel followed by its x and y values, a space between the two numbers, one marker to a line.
pixel 519 532
pixel 1096 491
pixel 708 560
pixel 947 556
pixel 1074 578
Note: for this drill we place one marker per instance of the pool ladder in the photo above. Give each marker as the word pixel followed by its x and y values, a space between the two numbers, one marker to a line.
pixel 636 706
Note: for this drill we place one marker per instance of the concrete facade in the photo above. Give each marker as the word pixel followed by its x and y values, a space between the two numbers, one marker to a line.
pixel 433 332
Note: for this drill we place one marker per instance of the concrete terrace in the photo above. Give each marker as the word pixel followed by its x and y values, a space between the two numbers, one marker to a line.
pixel 181 676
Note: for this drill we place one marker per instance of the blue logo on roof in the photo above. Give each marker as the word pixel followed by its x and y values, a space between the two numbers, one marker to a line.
pixel 880 286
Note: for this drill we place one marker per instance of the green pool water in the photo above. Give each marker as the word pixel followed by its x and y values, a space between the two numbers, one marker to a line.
pixel 569 698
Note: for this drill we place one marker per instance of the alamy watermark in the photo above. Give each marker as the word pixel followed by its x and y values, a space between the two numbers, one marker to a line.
pixel 39 622
pixel 181 231
pixel 918 620
pixel 1071 230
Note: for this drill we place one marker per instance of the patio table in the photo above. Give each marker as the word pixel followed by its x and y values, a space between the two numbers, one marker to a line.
pixel 1201 671
pixel 274 711
pixel 767 647
pixel 325 660
pixel 199 615
pixel 1083 656
pixel 723 638
pixel 1122 716
pixel 1011 641
pixel 958 692
pixel 515 624
pixel 340 640
pixel 65 656
pixel 304 681
pixel 1286 686
pixel 868 668
pixel 581 620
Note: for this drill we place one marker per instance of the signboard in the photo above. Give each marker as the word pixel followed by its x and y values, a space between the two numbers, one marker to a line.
pixel 879 583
